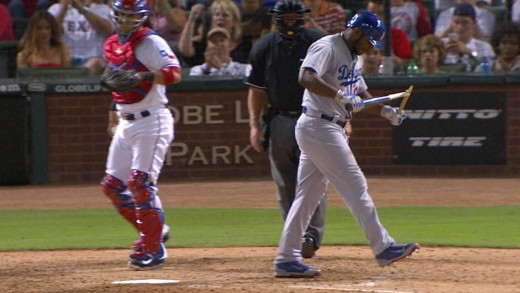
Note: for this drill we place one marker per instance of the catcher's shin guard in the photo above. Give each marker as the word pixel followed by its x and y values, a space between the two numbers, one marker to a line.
pixel 114 189
pixel 149 214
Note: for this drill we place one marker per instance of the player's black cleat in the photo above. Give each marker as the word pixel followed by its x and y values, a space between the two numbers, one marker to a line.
pixel 308 247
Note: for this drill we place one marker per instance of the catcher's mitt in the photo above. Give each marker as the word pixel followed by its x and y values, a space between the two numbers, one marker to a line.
pixel 119 80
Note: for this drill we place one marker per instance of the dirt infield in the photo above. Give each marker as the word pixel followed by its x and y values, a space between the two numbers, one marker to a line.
pixel 249 269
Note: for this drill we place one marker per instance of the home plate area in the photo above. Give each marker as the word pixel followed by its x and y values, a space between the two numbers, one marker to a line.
pixel 363 287
pixel 147 281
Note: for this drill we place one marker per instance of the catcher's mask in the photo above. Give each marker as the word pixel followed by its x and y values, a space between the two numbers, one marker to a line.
pixel 291 25
pixel 373 28
pixel 128 16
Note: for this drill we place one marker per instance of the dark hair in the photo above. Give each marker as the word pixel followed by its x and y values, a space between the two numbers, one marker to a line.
pixel 465 9
pixel 503 30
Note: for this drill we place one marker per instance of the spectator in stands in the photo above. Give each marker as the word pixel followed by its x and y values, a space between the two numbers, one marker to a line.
pixel 461 46
pixel 484 18
pixel 515 12
pixel 405 15
pixel 484 4
pixel 218 61
pixel 193 41
pixel 401 45
pixel 21 10
pixel 424 23
pixel 86 25
pixel 188 4
pixel 41 45
pixel 372 60
pixel 325 16
pixel 506 42
pixel 167 18
pixel 6 25
pixel 256 21
pixel 443 4
pixel 430 53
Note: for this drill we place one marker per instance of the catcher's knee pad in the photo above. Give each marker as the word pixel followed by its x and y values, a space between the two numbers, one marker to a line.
pixel 141 186
pixel 114 189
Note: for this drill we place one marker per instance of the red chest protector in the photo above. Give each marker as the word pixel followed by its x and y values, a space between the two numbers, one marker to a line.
pixel 123 57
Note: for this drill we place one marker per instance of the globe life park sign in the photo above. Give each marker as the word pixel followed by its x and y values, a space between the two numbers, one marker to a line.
pixel 203 135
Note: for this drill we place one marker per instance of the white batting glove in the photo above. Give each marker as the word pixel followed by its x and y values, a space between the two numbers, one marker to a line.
pixel 393 115
pixel 352 103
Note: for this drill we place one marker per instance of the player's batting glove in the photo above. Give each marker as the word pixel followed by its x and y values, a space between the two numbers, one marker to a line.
pixel 393 115
pixel 352 103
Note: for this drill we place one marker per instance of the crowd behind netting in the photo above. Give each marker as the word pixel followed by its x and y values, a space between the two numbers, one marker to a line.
pixel 215 37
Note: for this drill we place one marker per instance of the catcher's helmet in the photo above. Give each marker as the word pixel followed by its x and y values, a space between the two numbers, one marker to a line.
pixel 286 7
pixel 373 28
pixel 128 16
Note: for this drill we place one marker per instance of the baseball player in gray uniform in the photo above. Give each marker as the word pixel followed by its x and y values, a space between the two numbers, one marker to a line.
pixel 334 87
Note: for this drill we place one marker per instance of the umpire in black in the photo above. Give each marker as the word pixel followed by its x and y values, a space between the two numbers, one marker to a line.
pixel 274 93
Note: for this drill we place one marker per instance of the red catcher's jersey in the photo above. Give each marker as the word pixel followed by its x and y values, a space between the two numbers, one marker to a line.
pixel 121 56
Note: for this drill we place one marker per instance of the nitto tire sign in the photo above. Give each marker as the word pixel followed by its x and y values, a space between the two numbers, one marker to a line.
pixel 452 129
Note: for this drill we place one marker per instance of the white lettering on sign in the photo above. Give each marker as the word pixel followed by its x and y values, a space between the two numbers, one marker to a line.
pixel 207 114
pixel 238 113
pixel 453 114
pixel 77 88
pixel 13 87
pixel 454 141
pixel 191 115
pixel 212 114
pixel 220 154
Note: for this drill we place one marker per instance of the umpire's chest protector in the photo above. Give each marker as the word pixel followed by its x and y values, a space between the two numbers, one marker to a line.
pixel 122 56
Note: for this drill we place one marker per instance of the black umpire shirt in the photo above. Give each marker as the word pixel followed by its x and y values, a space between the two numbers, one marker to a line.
pixel 276 68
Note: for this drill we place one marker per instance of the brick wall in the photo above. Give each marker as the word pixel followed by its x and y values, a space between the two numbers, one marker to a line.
pixel 212 138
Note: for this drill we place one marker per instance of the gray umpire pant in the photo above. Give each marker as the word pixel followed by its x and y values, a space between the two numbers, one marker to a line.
pixel 284 156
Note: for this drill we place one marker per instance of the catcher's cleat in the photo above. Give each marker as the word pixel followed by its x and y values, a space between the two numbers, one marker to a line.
pixel 395 252
pixel 308 247
pixel 165 235
pixel 141 261
pixel 295 269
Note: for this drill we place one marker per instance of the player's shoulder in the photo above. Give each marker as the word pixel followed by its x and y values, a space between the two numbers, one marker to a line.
pixel 153 36
pixel 312 35
pixel 325 46
pixel 328 40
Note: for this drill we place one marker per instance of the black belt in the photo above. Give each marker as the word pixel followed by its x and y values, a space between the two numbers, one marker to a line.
pixel 131 117
pixel 294 114
pixel 328 118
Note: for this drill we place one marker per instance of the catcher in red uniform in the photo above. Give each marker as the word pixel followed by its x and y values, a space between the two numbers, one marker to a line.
pixel 139 66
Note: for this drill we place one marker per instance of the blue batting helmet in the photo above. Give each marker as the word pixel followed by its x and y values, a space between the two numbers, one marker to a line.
pixel 373 28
